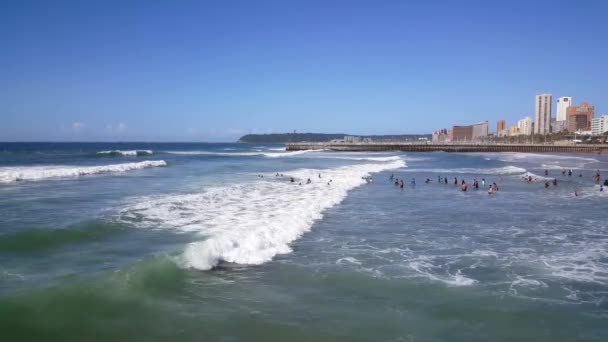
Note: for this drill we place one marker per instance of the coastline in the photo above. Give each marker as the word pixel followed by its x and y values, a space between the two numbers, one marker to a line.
pixel 409 147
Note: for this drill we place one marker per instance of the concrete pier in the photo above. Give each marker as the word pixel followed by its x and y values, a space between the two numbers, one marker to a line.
pixel 379 147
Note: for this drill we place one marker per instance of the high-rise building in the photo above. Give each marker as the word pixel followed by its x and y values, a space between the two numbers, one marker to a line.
pixel 525 126
pixel 579 118
pixel 500 126
pixel 562 106
pixel 599 125
pixel 542 113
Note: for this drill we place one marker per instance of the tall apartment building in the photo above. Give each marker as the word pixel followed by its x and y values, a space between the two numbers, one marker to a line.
pixel 500 126
pixel 525 126
pixel 562 107
pixel 579 118
pixel 542 114
pixel 599 125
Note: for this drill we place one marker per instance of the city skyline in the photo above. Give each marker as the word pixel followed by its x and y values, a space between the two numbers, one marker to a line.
pixel 213 71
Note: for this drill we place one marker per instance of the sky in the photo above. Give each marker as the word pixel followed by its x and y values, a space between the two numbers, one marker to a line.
pixel 215 70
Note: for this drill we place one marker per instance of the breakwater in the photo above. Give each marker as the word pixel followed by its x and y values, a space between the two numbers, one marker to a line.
pixel 378 147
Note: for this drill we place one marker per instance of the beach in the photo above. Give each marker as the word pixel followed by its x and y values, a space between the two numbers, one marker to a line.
pixel 144 241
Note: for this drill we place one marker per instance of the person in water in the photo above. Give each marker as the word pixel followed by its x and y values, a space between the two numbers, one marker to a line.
pixel 455 181
pixel 413 183
pixel 308 181
pixel 490 190
pixel 391 177
pixel 495 186
pixel 554 181
pixel 464 186
pixel 445 180
pixel 292 180
pixel 605 182
pixel 483 182
pixel 401 184
pixel 319 175
pixel 546 172
pixel 427 181
pixel 546 185
pixel 601 188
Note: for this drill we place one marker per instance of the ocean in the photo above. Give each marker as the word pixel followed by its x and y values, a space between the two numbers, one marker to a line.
pixel 214 242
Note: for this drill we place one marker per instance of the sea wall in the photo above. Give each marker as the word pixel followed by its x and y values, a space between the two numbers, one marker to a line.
pixel 378 147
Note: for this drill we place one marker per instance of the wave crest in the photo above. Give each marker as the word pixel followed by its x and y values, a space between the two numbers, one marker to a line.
pixel 34 173
pixel 131 153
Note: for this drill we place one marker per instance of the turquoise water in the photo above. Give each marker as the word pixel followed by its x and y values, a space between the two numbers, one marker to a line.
pixel 205 242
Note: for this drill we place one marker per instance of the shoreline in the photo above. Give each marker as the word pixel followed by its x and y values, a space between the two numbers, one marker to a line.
pixel 405 147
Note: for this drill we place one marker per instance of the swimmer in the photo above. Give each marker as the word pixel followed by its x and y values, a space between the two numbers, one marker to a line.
pixel 495 186
pixel 308 181
pixel 580 175
pixel 554 181
pixel 483 182
pixel 546 185
pixel 490 190
pixel 445 180
pixel 413 183
pixel 601 188
pixel 391 177
pixel 427 181
pixel 455 181
pixel 292 180
pixel 605 182
pixel 464 186
pixel 401 185
pixel 575 194
pixel 319 175
pixel 546 172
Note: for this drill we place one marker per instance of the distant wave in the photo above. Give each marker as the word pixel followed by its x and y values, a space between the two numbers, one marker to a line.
pixel 131 153
pixel 249 223
pixel 34 173
pixel 244 154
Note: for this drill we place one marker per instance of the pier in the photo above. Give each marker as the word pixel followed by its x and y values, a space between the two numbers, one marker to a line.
pixel 416 147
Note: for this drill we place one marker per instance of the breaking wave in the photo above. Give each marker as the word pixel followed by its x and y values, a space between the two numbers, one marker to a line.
pixel 131 153
pixel 244 154
pixel 34 173
pixel 249 223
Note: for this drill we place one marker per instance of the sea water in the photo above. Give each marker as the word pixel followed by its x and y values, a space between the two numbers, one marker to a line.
pixel 215 242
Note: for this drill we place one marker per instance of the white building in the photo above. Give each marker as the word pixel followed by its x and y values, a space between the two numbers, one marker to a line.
pixel 562 105
pixel 542 113
pixel 525 126
pixel 599 125
pixel 480 130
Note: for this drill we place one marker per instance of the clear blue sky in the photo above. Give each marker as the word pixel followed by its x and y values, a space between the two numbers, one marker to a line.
pixel 211 71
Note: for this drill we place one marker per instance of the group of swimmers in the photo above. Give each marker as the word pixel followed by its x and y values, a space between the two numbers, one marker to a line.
pixel 308 181
pixel 492 188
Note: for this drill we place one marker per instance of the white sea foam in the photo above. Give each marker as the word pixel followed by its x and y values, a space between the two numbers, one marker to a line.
pixel 350 260
pixel 249 223
pixel 378 159
pixel 130 153
pixel 244 154
pixel 33 173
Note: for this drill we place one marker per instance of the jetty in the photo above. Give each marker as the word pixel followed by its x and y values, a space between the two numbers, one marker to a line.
pixel 429 147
